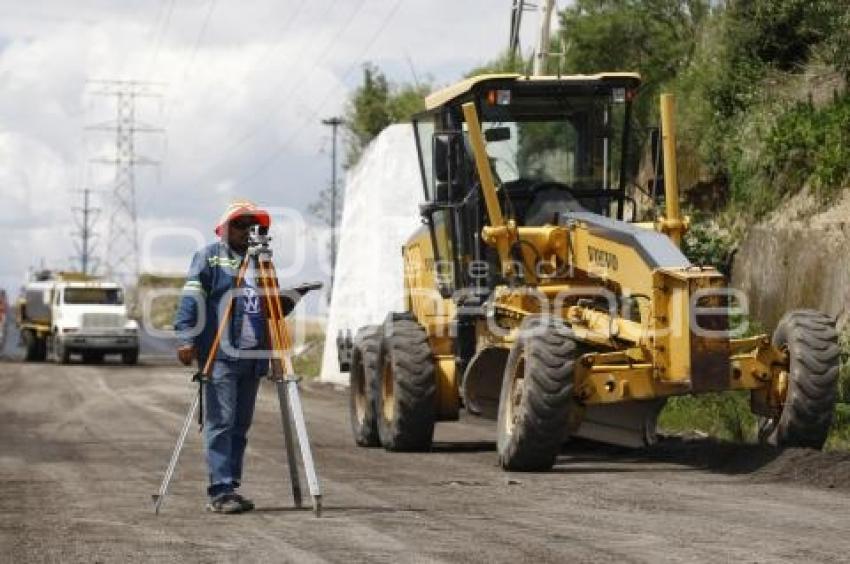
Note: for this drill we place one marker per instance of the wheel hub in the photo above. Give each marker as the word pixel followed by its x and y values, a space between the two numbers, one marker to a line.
pixel 360 398
pixel 515 398
pixel 387 393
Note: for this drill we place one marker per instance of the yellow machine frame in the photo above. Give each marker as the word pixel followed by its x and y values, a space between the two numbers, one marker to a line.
pixel 659 352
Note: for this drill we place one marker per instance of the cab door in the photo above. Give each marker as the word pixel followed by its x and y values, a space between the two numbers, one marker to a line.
pixel 436 148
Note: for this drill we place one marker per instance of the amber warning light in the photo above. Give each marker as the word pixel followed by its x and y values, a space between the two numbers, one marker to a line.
pixel 499 97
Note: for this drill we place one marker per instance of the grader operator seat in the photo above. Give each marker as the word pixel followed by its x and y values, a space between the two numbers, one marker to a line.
pixel 535 202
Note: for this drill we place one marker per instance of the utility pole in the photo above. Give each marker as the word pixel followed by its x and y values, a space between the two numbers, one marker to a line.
pixel 334 123
pixel 85 245
pixel 122 243
pixel 516 23
pixel 542 54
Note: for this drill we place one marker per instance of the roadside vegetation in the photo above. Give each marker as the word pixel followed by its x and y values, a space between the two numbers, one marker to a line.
pixel 307 361
pixel 161 293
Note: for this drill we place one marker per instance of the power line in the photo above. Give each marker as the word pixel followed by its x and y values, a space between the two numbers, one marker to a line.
pixel 516 22
pixel 518 8
pixel 412 71
pixel 334 123
pixel 267 119
pixel 159 38
pixel 228 91
pixel 312 115
pixel 201 33
pixel 295 80
pixel 200 37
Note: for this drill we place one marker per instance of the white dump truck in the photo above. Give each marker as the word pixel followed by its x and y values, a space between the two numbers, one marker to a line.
pixel 60 314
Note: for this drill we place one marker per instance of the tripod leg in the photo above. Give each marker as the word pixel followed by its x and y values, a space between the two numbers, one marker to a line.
pixel 287 385
pixel 289 441
pixel 159 497
pixel 304 443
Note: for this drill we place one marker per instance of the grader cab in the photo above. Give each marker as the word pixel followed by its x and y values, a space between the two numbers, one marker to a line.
pixel 531 300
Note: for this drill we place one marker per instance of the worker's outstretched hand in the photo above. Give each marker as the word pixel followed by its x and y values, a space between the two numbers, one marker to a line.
pixel 302 289
pixel 186 354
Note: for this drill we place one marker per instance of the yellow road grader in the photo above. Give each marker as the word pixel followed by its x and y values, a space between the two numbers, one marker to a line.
pixel 534 299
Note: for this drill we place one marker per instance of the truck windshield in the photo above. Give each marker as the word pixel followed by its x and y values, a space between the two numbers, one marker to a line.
pixel 99 296
pixel 576 140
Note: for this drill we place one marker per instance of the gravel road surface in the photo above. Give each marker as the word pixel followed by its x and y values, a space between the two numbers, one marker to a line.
pixel 82 448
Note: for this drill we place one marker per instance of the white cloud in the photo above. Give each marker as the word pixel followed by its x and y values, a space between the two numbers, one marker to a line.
pixel 243 99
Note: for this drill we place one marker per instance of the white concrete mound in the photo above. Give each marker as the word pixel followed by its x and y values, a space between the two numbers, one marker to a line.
pixel 382 196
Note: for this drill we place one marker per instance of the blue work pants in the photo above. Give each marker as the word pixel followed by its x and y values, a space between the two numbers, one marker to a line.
pixel 230 396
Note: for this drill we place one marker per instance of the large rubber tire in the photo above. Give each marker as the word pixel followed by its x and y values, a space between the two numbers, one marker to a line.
pixel 130 357
pixel 41 349
pixel 363 386
pixel 36 348
pixel 536 396
pixel 92 357
pixel 407 387
pixel 61 354
pixel 29 344
pixel 811 341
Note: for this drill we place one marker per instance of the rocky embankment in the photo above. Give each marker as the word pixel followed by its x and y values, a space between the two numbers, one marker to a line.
pixel 799 257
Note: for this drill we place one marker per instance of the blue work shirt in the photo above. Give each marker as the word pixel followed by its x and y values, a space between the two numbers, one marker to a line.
pixel 212 278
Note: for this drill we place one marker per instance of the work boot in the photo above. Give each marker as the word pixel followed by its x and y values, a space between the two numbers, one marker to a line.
pixel 225 503
pixel 247 504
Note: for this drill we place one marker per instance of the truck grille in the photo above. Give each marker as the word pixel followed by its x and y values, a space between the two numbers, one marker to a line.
pixel 101 321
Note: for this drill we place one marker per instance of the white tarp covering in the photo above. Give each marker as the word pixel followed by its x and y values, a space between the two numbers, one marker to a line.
pixel 382 196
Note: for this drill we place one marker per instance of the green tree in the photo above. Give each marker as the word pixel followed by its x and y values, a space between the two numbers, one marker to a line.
pixel 374 105
pixel 656 38
pixel 733 97
pixel 783 33
pixel 506 62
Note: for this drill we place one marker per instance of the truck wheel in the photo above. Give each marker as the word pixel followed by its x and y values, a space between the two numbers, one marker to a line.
pixel 36 347
pixel 536 395
pixel 29 344
pixel 93 357
pixel 130 357
pixel 810 339
pixel 61 353
pixel 363 386
pixel 41 349
pixel 408 388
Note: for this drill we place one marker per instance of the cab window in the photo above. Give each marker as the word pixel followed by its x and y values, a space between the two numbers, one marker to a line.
pixel 424 129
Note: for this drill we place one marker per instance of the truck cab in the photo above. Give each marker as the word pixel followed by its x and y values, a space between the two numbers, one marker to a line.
pixel 75 315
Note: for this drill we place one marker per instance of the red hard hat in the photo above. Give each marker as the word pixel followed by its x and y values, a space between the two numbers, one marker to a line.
pixel 240 209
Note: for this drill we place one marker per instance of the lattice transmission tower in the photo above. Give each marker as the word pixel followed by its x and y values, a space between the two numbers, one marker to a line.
pixel 84 237
pixel 121 260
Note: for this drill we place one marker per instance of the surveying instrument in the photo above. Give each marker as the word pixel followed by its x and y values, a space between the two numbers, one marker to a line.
pixel 281 373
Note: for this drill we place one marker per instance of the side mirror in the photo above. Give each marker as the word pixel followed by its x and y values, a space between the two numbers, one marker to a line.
pixel 427 209
pixel 497 134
